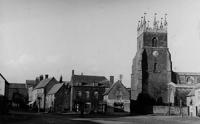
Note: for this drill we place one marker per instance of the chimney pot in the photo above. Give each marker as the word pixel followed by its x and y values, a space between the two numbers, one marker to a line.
pixel 120 77
pixel 46 76
pixel 111 80
pixel 37 80
pixel 41 77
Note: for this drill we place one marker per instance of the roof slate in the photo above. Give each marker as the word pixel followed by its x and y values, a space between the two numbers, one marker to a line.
pixel 30 82
pixel 108 90
pixel 88 78
pixel 55 88
pixel 17 85
pixel 43 83
pixel 188 73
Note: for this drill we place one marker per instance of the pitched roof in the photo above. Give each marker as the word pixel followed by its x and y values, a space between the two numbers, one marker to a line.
pixel 188 73
pixel 108 90
pixel 88 78
pixel 43 83
pixel 30 82
pixel 17 85
pixel 3 78
pixel 55 88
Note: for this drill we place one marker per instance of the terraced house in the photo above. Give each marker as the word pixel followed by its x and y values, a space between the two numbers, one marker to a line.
pixel 40 91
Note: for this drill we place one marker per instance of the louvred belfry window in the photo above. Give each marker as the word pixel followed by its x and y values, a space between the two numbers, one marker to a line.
pixel 154 42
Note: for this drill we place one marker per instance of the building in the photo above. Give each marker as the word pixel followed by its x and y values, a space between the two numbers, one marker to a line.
pixel 117 98
pixel 151 68
pixel 56 98
pixel 30 85
pixel 18 95
pixel 152 74
pixel 40 91
pixel 4 86
pixel 86 93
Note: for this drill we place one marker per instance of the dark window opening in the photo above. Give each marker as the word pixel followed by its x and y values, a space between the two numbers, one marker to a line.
pixel 154 42
pixel 155 67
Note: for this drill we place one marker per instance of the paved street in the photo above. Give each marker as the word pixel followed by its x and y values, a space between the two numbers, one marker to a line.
pixel 36 118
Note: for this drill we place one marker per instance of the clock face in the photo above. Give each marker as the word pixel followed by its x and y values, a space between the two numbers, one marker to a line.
pixel 155 53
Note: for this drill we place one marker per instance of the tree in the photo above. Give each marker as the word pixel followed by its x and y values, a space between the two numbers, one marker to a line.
pixel 17 98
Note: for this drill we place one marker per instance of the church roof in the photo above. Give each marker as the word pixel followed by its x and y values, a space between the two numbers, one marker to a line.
pixel 188 73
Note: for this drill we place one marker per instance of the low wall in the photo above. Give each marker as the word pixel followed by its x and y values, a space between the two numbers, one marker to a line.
pixel 172 110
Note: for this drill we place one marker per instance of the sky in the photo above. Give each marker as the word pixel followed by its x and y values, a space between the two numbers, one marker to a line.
pixel 93 37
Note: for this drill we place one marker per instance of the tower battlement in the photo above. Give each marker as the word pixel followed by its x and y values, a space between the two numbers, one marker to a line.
pixel 158 26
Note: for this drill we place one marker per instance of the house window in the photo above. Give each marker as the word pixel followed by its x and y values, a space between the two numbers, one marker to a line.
pixel 96 95
pixel 87 93
pixel 154 42
pixel 191 102
pixel 78 94
pixel 119 94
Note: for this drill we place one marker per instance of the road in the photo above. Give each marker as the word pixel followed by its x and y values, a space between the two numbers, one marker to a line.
pixel 40 118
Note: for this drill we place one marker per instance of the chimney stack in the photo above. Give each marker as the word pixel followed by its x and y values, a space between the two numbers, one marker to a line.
pixel 37 80
pixel 120 77
pixel 46 76
pixel 72 72
pixel 41 77
pixel 61 79
pixel 111 80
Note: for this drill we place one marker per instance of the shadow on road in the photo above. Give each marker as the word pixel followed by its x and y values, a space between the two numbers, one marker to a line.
pixel 42 118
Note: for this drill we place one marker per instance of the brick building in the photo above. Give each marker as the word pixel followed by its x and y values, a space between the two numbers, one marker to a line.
pixel 86 92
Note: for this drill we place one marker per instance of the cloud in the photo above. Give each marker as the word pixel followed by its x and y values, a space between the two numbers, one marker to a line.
pixel 24 59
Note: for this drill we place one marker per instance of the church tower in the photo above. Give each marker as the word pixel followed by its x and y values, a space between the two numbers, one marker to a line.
pixel 151 68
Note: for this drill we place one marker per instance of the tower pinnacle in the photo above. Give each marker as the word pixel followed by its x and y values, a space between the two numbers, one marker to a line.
pixel 144 25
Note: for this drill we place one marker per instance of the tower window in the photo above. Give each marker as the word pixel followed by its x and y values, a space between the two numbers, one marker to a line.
pixel 154 42
pixel 155 67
